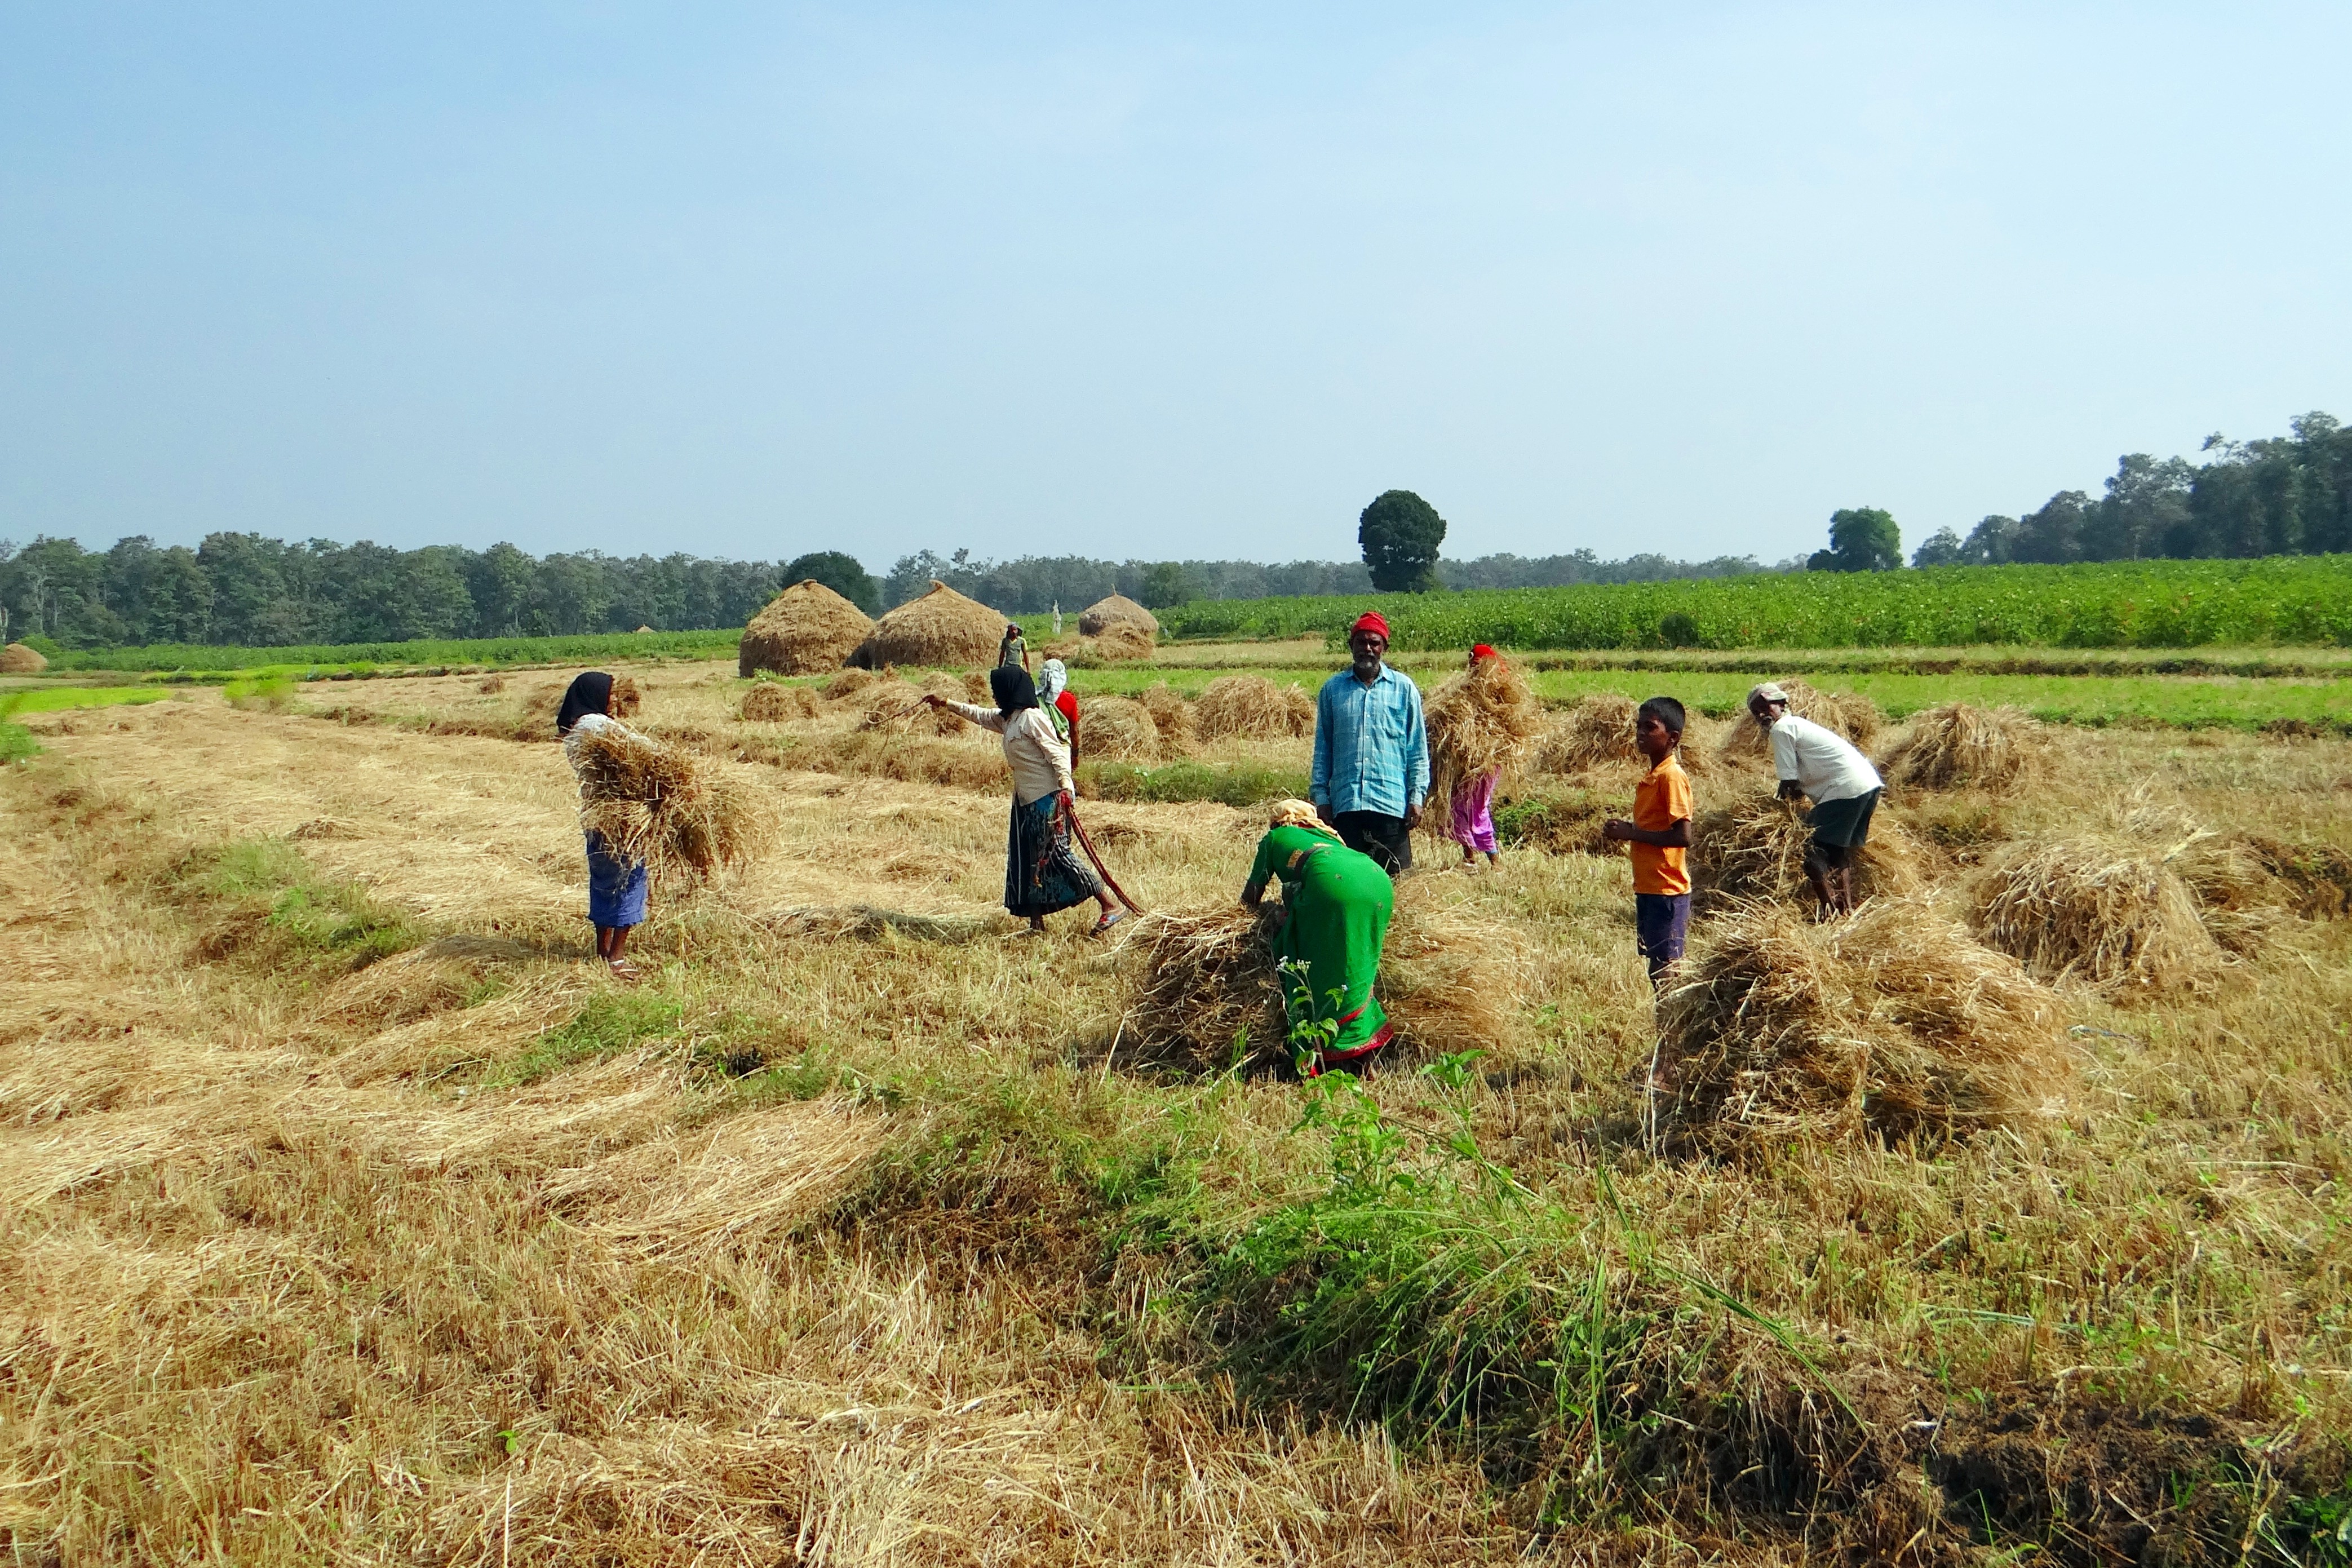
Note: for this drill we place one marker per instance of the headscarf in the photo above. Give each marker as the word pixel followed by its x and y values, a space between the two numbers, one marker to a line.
pixel 590 692
pixel 1480 650
pixel 1013 690
pixel 1298 814
pixel 1052 677
pixel 1371 621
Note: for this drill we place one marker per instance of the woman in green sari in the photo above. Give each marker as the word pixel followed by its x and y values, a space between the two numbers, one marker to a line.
pixel 1336 907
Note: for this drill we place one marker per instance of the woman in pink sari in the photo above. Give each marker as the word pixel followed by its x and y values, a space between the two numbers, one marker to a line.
pixel 1473 825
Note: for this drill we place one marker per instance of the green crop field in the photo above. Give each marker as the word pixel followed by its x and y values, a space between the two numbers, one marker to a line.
pixel 2139 604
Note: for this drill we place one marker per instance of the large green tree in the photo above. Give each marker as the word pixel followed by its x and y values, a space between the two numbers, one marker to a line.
pixel 1166 582
pixel 1399 533
pixel 845 575
pixel 1862 538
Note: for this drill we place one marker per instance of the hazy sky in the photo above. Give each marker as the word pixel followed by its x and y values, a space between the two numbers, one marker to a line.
pixel 1146 281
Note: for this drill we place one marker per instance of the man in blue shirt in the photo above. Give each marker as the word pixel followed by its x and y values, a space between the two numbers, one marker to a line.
pixel 1371 752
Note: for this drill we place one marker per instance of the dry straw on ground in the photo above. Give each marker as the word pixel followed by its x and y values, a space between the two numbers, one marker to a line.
pixel 773 702
pixel 1116 610
pixel 1592 731
pixel 1480 722
pixel 1894 1022
pixel 2100 908
pixel 1854 717
pixel 1170 715
pixel 1755 848
pixel 1253 708
pixel 18 659
pixel 659 805
pixel 1957 744
pixel 1122 640
pixel 941 628
pixel 804 630
pixel 850 682
pixel 1119 730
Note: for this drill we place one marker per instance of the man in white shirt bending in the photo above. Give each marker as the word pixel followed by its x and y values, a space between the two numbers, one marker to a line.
pixel 1829 770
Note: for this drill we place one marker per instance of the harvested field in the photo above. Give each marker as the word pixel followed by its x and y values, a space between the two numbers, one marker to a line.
pixel 1755 848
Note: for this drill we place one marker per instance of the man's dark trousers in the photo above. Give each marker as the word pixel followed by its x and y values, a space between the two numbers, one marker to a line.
pixel 1385 839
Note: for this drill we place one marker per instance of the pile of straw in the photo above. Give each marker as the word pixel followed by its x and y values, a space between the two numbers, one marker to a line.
pixel 896 706
pixel 805 629
pixel 1481 722
pixel 1559 824
pixel 16 658
pixel 1117 729
pixel 2316 877
pixel 941 628
pixel 1117 610
pixel 849 683
pixel 1120 640
pixel 1170 715
pixel 772 702
pixel 1591 731
pixel 1755 848
pixel 1996 749
pixel 1196 979
pixel 2102 909
pixel 1854 717
pixel 656 803
pixel 1893 1023
pixel 1253 708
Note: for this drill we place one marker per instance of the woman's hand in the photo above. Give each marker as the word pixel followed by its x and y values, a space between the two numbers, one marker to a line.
pixel 933 700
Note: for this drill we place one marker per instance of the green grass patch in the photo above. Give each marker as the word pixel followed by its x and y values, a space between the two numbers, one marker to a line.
pixel 1232 784
pixel 57 699
pixel 607 1024
pixel 278 907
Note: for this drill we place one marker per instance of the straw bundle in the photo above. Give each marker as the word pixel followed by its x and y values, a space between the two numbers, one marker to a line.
pixel 897 706
pixel 1994 749
pixel 1592 731
pixel 941 628
pixel 492 684
pixel 806 628
pixel 2318 876
pixel 1119 730
pixel 1481 722
pixel 1854 717
pixel 1117 610
pixel 1253 707
pixel 1170 715
pixel 656 803
pixel 1755 848
pixel 2099 908
pixel 18 659
pixel 850 682
pixel 1122 640
pixel 1197 979
pixel 1893 1023
pixel 772 702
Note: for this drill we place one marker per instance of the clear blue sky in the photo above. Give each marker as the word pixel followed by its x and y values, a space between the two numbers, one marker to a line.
pixel 1146 281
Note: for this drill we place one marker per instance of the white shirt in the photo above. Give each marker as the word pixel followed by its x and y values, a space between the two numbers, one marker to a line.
pixel 1825 765
pixel 1039 761
pixel 589 724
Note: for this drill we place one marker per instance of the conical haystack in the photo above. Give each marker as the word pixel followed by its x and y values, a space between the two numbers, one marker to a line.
pixel 18 659
pixel 943 628
pixel 1118 608
pixel 805 629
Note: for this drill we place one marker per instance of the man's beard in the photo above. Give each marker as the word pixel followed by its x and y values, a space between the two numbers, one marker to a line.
pixel 1368 665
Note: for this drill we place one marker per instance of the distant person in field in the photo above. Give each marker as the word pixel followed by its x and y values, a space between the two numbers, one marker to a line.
pixel 1042 873
pixel 1660 836
pixel 1012 652
pixel 1060 706
pixel 1472 809
pixel 1372 751
pixel 616 888
pixel 1831 771
pixel 1335 905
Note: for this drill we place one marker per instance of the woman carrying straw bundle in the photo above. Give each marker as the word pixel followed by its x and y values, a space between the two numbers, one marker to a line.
pixel 1041 873
pixel 1336 907
pixel 616 888
pixel 1473 796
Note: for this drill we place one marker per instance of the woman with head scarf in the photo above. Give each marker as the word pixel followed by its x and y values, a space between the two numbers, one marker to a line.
pixel 1053 695
pixel 1472 824
pixel 1335 905
pixel 616 888
pixel 1042 873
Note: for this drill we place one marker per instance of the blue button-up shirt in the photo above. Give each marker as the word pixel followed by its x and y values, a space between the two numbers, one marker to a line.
pixel 1371 752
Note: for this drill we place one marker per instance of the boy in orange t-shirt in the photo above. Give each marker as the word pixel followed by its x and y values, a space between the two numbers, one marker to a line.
pixel 1660 834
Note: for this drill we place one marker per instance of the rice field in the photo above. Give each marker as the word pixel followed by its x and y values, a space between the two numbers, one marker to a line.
pixel 351 1214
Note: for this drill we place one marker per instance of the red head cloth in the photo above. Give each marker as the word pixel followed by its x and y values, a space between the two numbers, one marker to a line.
pixel 1371 621
pixel 1481 650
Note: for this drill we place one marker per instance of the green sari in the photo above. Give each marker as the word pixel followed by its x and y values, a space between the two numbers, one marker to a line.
pixel 1336 904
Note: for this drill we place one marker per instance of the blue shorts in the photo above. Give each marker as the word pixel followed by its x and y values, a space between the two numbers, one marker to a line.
pixel 1661 924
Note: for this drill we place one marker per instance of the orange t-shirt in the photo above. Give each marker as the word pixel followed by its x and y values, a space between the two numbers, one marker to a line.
pixel 1662 799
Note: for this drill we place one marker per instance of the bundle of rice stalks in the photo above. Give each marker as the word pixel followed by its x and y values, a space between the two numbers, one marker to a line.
pixel 1122 640
pixel 897 706
pixel 659 805
pixel 1480 722
pixel 1854 717
pixel 16 658
pixel 1170 715
pixel 1995 749
pixel 1117 610
pixel 806 628
pixel 1197 980
pixel 850 682
pixel 2099 908
pixel 492 685
pixel 1252 707
pixel 626 699
pixel 1592 731
pixel 1893 1023
pixel 1115 729
pixel 772 702
pixel 2241 904
pixel 941 628
pixel 1755 848
pixel 2318 876
pixel 1558 824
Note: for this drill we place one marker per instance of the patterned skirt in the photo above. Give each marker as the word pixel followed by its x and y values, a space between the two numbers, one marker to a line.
pixel 1043 869
pixel 616 888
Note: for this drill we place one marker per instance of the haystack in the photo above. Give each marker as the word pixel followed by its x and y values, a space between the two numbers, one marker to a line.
pixel 943 628
pixel 1856 717
pixel 772 702
pixel 1253 707
pixel 18 659
pixel 1893 1023
pixel 1117 610
pixel 1170 715
pixel 805 629
pixel 657 804
pixel 1122 640
pixel 1481 722
pixel 1957 744
pixel 1119 730
pixel 2100 908
pixel 1755 848
pixel 1197 979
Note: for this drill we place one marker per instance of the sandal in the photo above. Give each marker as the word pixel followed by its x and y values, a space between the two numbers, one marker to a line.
pixel 622 969
pixel 1110 918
